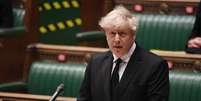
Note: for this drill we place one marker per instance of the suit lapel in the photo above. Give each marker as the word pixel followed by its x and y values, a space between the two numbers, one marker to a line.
pixel 107 66
pixel 130 71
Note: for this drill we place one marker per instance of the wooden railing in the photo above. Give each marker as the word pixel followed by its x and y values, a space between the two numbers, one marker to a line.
pixel 78 54
pixel 181 60
pixel 4 96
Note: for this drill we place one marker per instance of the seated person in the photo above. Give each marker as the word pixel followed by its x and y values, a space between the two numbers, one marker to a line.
pixel 6 18
pixel 194 42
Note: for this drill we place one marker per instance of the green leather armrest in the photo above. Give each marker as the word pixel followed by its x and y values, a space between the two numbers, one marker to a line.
pixel 90 36
pixel 13 87
pixel 12 31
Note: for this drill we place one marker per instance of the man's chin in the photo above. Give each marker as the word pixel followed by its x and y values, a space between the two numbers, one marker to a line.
pixel 117 53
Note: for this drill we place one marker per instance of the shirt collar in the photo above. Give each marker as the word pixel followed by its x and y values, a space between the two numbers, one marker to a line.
pixel 126 57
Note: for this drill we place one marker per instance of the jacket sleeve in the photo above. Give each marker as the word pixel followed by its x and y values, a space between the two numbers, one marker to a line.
pixel 158 86
pixel 85 90
pixel 196 28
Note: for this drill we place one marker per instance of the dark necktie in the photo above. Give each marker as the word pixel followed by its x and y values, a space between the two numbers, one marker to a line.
pixel 115 76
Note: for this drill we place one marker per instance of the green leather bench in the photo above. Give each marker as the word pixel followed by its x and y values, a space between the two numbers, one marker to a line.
pixel 92 39
pixel 45 76
pixel 163 32
pixel 18 27
pixel 185 86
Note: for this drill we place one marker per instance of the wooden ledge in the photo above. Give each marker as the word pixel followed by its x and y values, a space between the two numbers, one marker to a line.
pixel 51 48
pixel 5 96
pixel 177 54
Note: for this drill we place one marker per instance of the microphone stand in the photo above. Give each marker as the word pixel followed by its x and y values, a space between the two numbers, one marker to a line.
pixel 59 89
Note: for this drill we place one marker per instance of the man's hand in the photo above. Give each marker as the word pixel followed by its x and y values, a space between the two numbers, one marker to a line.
pixel 194 42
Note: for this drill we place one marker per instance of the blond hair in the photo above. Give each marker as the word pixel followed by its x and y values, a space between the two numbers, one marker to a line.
pixel 119 17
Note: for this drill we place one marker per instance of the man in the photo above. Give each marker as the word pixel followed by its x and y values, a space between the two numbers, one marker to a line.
pixel 194 42
pixel 126 72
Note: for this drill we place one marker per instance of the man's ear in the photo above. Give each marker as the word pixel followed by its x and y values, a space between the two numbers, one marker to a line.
pixel 134 36
pixel 101 29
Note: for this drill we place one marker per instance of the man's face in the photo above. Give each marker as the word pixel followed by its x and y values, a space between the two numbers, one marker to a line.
pixel 120 41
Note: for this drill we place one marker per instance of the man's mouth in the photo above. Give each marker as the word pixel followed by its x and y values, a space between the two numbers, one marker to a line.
pixel 117 46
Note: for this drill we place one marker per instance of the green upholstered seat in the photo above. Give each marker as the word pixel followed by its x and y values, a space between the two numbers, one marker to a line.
pixel 44 77
pixel 18 14
pixel 92 39
pixel 90 36
pixel 18 27
pixel 13 87
pixel 185 86
pixel 164 32
pixel 59 21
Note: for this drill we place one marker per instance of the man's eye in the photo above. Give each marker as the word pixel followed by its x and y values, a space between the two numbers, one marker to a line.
pixel 113 33
pixel 122 34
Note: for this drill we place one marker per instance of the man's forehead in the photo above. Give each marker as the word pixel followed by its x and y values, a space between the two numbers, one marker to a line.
pixel 125 30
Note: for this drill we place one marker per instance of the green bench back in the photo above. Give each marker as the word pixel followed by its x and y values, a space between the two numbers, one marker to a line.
pixel 164 32
pixel 185 86
pixel 18 23
pixel 44 77
pixel 18 15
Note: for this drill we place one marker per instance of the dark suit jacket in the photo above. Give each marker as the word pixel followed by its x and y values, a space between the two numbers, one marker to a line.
pixel 196 32
pixel 145 79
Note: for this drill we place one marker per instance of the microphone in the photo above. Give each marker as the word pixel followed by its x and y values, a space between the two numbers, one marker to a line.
pixel 59 89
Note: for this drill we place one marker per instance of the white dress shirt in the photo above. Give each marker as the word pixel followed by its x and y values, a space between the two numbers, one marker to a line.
pixel 125 59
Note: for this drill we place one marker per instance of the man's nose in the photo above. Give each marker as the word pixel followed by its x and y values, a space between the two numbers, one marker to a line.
pixel 117 37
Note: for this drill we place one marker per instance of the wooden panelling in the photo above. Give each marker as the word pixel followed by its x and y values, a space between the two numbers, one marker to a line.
pixel 12 47
pixel 161 6
pixel 91 11
pixel 12 52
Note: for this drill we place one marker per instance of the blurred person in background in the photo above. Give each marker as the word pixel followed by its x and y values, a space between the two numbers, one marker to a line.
pixel 194 42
